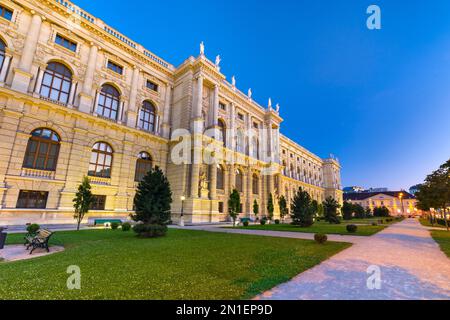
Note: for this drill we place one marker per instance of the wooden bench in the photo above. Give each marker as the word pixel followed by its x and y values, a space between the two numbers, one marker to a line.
pixel 40 240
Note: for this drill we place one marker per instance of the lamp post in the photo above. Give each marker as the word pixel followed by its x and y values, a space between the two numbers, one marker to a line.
pixel 401 202
pixel 182 198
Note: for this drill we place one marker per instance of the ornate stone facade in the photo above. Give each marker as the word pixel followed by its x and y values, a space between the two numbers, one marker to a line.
pixel 67 72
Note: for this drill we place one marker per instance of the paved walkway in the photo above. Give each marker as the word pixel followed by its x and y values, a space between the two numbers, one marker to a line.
pixel 412 267
pixel 18 252
pixel 268 233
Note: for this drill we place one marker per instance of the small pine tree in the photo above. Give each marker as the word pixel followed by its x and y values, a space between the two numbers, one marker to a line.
pixel 82 201
pixel 347 210
pixel 270 207
pixel 284 210
pixel 360 213
pixel 302 209
pixel 234 205
pixel 256 209
pixel 153 199
pixel 330 207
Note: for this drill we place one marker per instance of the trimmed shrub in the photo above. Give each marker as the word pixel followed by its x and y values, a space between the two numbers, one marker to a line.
pixel 374 224
pixel 126 226
pixel 320 238
pixel 150 230
pixel 33 228
pixel 114 225
pixel 245 223
pixel 352 228
pixel 263 221
pixel 277 221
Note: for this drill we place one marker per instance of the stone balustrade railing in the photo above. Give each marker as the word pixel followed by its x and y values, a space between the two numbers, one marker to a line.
pixel 36 173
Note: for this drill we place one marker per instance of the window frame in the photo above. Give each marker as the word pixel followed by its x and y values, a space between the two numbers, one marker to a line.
pixel 103 97
pixel 141 164
pixel 65 77
pixel 4 10
pixel 151 85
pixel 98 202
pixel 66 42
pixel 30 197
pixel 114 67
pixel 147 109
pixel 103 165
pixel 40 140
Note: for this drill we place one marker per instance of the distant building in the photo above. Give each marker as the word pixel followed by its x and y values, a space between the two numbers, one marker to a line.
pixel 377 190
pixel 413 190
pixel 398 202
pixel 353 189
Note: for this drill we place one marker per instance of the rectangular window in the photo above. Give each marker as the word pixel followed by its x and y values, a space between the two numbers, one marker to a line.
pixel 222 106
pixel 115 67
pixel 240 116
pixel 220 207
pixel 66 43
pixel 152 86
pixel 98 202
pixel 32 199
pixel 6 13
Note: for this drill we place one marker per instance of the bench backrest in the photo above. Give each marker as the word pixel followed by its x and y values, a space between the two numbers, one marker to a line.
pixel 44 233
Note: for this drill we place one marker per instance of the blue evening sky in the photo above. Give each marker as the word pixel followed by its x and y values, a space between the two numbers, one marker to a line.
pixel 378 100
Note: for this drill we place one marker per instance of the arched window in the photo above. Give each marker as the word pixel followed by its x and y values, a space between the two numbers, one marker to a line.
pixel 144 164
pixel 148 117
pixel 108 102
pixel 101 160
pixel 42 150
pixel 255 148
pixel 56 82
pixel 222 132
pixel 240 141
pixel 2 53
pixel 220 178
pixel 255 184
pixel 239 182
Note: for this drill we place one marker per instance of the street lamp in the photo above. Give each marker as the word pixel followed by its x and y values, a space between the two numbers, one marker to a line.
pixel 182 198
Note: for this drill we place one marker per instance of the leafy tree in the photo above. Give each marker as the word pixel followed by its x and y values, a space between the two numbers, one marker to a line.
pixel 347 210
pixel 153 199
pixel 270 207
pixel 302 209
pixel 330 208
pixel 256 208
pixel 381 212
pixel 368 212
pixel 284 210
pixel 82 201
pixel 234 205
pixel 320 210
pixel 360 213
pixel 435 192
pixel 315 206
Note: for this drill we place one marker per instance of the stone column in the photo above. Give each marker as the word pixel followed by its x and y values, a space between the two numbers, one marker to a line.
pixel 231 140
pixel 166 114
pixel 197 139
pixel 248 125
pixel 72 92
pixel 213 181
pixel 40 77
pixel 215 113
pixel 5 67
pixel 249 191
pixel 22 74
pixel 131 113
pixel 86 93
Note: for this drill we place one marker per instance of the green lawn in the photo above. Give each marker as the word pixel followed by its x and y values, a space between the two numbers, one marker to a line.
pixel 426 223
pixel 443 239
pixel 321 226
pixel 182 265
